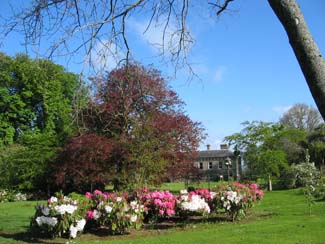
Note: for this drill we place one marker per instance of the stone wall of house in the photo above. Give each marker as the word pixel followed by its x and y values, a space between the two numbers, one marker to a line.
pixel 212 163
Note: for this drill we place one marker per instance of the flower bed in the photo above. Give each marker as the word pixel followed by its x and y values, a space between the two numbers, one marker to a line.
pixel 120 212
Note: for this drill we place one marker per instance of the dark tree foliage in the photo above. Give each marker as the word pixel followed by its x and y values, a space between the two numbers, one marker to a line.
pixel 135 133
pixel 88 152
pixel 316 146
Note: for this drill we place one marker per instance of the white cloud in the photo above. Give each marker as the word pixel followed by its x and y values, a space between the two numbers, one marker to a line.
pixel 220 73
pixel 153 35
pixel 281 109
pixel 161 39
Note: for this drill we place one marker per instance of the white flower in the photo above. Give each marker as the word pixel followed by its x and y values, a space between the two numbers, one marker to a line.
pixel 73 231
pixel 70 208
pixel 62 209
pixel 45 210
pixel 134 204
pixel 133 218
pixel 183 192
pixel 81 224
pixel 196 204
pixel 184 198
pixel 108 209
pixel 119 199
pixel 96 214
pixel 52 221
pixel 213 194
pixel 67 199
pixel 53 199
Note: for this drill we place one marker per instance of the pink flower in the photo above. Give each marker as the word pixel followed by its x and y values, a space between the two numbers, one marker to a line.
pixel 260 193
pixel 237 184
pixel 88 195
pixel 253 186
pixel 157 201
pixel 97 192
pixel 161 211
pixel 90 214
pixel 170 212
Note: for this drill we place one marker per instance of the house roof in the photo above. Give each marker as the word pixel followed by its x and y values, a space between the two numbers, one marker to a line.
pixel 215 153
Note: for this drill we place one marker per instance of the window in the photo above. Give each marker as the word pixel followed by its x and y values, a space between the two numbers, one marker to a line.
pixel 220 164
pixel 200 165
pixel 210 165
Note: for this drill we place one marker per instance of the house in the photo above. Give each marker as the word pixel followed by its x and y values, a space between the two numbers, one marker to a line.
pixel 215 164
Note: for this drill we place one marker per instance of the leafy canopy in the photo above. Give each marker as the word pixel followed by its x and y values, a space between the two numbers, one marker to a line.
pixel 136 133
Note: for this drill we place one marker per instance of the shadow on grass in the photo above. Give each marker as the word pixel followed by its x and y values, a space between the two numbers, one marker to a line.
pixel 28 237
pixel 177 222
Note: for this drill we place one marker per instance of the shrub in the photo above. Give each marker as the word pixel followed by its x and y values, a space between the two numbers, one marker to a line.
pixel 236 199
pixel 114 212
pixel 305 174
pixel 158 205
pixel 193 203
pixel 118 212
pixel 58 217
pixel 11 196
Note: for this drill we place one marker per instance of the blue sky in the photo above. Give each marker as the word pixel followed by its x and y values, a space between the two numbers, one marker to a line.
pixel 246 66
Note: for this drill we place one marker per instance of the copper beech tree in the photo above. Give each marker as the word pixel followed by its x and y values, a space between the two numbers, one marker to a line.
pixel 135 133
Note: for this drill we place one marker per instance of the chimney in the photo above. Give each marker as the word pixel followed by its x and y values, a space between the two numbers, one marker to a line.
pixel 224 146
pixel 208 147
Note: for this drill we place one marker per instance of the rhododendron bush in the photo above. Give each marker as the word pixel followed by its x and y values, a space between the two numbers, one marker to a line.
pixel 120 212
pixel 60 216
pixel 236 198
pixel 114 211
pixel 194 202
pixel 158 205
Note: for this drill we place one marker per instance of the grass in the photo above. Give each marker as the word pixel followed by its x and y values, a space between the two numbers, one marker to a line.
pixel 282 217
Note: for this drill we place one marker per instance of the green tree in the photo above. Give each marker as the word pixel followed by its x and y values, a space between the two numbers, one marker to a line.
pixel 316 145
pixel 36 107
pixel 262 155
pixel 293 142
pixel 35 95
pixel 271 163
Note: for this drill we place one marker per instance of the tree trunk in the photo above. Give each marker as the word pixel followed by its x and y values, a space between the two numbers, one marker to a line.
pixel 270 183
pixel 306 50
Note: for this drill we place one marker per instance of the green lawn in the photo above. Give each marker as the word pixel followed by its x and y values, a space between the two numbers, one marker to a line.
pixel 282 217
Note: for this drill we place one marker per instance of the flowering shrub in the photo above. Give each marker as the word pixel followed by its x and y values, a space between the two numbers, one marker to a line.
pixel 63 216
pixel 114 212
pixel 236 199
pixel 10 196
pixel 158 205
pixel 58 217
pixel 256 193
pixel 194 202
